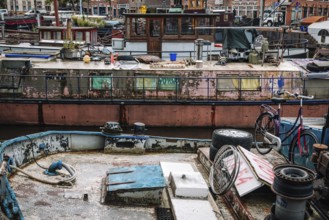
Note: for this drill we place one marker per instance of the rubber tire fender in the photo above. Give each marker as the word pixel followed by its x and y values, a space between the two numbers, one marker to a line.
pixel 233 137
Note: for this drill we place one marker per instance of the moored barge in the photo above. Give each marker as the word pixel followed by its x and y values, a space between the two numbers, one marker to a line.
pixel 73 92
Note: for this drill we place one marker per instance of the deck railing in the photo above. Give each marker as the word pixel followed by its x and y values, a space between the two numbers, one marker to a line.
pixel 59 87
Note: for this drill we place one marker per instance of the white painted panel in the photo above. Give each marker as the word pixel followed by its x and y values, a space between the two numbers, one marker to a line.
pixel 184 209
pixel 87 142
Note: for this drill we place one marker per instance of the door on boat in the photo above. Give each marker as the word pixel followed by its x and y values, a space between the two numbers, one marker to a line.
pixel 154 40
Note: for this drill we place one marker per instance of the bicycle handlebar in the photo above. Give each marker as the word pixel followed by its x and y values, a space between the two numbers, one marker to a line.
pixel 296 95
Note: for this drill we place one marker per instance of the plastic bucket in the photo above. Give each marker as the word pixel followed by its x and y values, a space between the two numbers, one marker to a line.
pixel 173 56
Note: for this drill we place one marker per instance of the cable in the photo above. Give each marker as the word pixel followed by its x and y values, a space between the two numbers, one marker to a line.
pixel 66 181
pixel 33 144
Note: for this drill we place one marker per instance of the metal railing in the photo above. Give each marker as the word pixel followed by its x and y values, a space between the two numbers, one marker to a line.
pixel 59 87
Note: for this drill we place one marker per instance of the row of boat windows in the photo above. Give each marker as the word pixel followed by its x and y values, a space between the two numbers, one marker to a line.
pixel 76 35
pixel 172 26
pixel 148 83
pixel 231 83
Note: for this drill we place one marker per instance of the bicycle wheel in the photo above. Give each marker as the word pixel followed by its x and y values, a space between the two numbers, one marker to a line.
pixel 224 170
pixel 264 123
pixel 306 141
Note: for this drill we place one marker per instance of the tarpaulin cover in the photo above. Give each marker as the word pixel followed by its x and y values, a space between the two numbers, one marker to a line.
pixel 236 38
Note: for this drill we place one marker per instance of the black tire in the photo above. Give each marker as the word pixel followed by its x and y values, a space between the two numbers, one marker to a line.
pixel 307 140
pixel 233 137
pixel 212 153
pixel 269 24
pixel 264 123
pixel 293 181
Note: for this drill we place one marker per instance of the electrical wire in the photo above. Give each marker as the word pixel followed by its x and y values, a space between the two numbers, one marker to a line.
pixel 32 145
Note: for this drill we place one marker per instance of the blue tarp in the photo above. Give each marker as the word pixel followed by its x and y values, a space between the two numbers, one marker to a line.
pixel 43 56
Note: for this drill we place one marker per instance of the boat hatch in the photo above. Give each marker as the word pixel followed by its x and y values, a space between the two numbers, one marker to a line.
pixel 135 185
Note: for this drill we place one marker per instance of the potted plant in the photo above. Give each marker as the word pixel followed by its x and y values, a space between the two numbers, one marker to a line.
pixel 70 49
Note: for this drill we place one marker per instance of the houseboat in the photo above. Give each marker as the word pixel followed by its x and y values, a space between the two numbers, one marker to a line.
pixel 205 93
pixel 170 32
pixel 164 33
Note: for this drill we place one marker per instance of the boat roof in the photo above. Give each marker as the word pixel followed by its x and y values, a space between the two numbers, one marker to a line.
pixel 172 15
pixel 65 28
pixel 285 65
pixel 312 19
pixel 319 25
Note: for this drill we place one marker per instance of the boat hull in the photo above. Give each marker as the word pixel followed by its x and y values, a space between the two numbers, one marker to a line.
pixel 224 114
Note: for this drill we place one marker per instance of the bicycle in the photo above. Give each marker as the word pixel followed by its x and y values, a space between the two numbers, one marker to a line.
pixel 224 170
pixel 267 132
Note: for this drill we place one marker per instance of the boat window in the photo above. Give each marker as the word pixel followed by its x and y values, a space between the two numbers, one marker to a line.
pixel 187 26
pixel 47 35
pixel 237 83
pixel 101 83
pixel 79 36
pixel 171 26
pixel 162 10
pixel 196 4
pixel 87 37
pixel 157 83
pixel 218 20
pixel 204 22
pixel 323 33
pixel 219 36
pixel 58 35
pixel 225 17
pixel 155 28
pixel 56 76
pixel 139 26
pixel 168 83
pixel 146 83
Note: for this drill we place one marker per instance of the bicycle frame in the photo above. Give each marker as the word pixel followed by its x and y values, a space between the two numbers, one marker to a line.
pixel 276 116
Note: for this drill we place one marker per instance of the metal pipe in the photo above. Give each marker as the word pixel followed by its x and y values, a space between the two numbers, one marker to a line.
pixel 56 12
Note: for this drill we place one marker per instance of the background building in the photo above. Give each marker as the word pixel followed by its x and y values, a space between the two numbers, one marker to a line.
pixel 293 10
